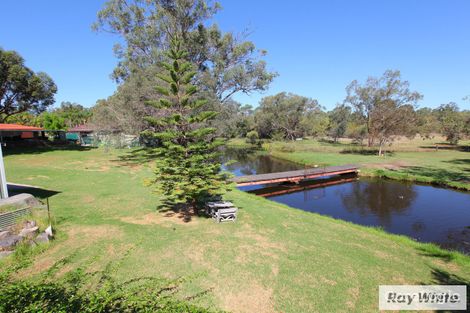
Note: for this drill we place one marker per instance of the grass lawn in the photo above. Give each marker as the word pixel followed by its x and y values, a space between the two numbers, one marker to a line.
pixel 273 259
pixel 414 160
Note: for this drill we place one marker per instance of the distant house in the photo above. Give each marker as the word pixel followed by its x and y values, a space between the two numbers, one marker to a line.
pixel 16 132
pixel 87 135
pixel 81 133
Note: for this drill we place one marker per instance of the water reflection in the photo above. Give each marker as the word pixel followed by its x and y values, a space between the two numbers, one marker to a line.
pixel 423 212
pixel 248 162
pixel 426 213
pixel 380 198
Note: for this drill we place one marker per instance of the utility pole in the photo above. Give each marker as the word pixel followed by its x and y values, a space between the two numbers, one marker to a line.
pixel 3 179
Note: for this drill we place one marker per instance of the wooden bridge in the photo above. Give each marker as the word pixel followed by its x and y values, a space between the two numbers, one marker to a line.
pixel 278 190
pixel 294 176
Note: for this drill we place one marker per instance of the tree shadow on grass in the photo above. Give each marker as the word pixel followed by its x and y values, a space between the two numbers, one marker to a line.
pixel 432 251
pixel 447 146
pixel 365 151
pixel 136 157
pixel 186 213
pixel 445 278
pixel 332 142
pixel 42 149
pixel 438 175
pixel 180 211
pixel 441 277
pixel 459 161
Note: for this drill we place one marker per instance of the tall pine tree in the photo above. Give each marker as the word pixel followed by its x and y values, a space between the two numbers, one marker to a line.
pixel 188 169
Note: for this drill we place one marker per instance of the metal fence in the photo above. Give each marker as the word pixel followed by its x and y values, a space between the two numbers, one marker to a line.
pixel 10 218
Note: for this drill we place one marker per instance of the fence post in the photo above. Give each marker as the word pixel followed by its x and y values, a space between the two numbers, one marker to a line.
pixel 3 179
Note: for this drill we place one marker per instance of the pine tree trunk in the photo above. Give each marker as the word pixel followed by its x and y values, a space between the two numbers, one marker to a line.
pixel 195 208
pixel 381 143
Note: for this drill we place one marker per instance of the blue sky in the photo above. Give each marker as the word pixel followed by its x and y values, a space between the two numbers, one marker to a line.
pixel 317 47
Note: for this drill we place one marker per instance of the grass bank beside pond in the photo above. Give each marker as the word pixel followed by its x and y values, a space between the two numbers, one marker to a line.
pixel 411 160
pixel 273 259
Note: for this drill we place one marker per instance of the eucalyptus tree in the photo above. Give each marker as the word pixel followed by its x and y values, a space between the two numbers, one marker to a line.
pixel 233 120
pixel 21 89
pixel 73 114
pixel 315 123
pixel 52 121
pixel 225 63
pixel 339 118
pixel 386 106
pixel 24 118
pixel 451 121
pixel 125 110
pixel 284 114
pixel 427 124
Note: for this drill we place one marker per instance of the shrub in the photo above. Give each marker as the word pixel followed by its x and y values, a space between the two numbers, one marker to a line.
pixel 252 137
pixel 70 294
pixel 287 148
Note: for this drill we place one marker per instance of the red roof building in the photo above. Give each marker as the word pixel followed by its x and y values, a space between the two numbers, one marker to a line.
pixel 84 128
pixel 17 132
pixel 19 128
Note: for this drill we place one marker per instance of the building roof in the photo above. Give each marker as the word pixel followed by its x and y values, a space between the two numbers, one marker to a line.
pixel 84 128
pixel 17 127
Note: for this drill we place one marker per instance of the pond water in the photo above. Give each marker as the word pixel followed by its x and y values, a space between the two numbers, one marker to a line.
pixel 423 212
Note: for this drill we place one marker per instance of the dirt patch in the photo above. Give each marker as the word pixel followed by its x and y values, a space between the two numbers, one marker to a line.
pixel 382 255
pixel 353 296
pixel 93 233
pixel 88 199
pixel 260 239
pixel 113 252
pixel 400 280
pixel 259 249
pixel 157 218
pixel 393 166
pixel 199 255
pixel 328 281
pixel 103 168
pixel 448 266
pixel 79 237
pixel 37 176
pixel 64 270
pixel 131 167
pixel 252 298
pixel 38 267
pixel 275 269
pixel 255 246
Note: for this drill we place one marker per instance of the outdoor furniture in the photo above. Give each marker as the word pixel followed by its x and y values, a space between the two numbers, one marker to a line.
pixel 222 211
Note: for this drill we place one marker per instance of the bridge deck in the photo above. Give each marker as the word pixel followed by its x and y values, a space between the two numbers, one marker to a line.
pixel 277 190
pixel 293 176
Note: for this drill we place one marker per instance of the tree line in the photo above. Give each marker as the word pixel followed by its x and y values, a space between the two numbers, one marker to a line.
pixel 374 112
pixel 26 97
pixel 225 63
pixel 64 117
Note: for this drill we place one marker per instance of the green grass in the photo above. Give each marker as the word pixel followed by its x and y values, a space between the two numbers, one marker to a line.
pixel 412 160
pixel 240 143
pixel 273 259
pixel 8 208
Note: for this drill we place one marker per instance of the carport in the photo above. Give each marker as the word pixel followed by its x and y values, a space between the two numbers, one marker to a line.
pixel 15 132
